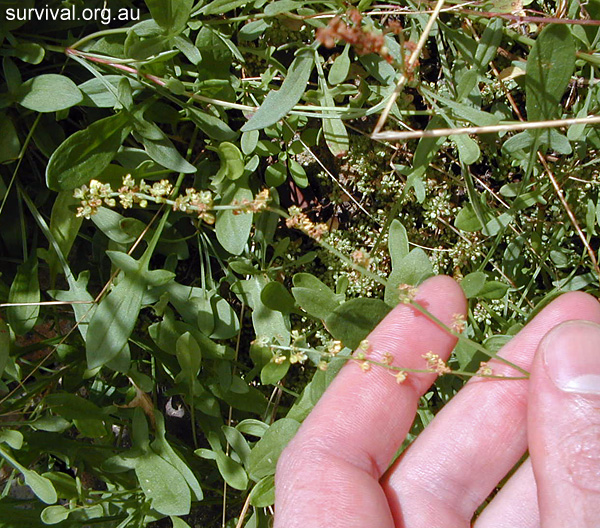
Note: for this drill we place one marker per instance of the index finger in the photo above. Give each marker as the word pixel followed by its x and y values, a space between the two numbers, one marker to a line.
pixel 348 441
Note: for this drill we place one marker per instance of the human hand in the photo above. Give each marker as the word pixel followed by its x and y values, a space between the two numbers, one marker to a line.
pixel 334 473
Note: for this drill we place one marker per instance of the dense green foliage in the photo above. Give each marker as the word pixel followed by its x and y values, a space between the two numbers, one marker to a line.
pixel 196 228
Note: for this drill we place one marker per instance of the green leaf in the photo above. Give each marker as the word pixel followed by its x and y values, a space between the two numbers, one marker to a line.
pixel 49 93
pixel 54 514
pixel 340 68
pixel 488 44
pixel 179 523
pixel 112 225
pixel 87 417
pixel 113 321
pixel 268 323
pixel 249 141
pixel 252 427
pixel 413 269
pixel 275 296
pixel 41 486
pixel 272 373
pixel 65 485
pixel 12 438
pixel 102 92
pixel 78 295
pixel 426 150
pixel 334 130
pixel 172 15
pixel 353 321
pixel 219 7
pixel 397 243
pixel 163 485
pixel 466 219
pixel 212 126
pixel 232 161
pixel 263 493
pixel 267 450
pixel 10 146
pixel 164 152
pixel 73 407
pixel 231 471
pixel 468 149
pixel 550 66
pixel 496 224
pixel 275 174
pixel 30 52
pixel 86 153
pixel 64 226
pixel 277 104
pixel 52 424
pixel 24 289
pixel 237 442
pixel 252 30
pixel 463 111
pixel 233 227
pixel 494 290
pixel 4 345
pixel 281 6
pixel 189 357
pixel 473 283
pixel 313 296
pixel 298 173
pixel 407 267
pixel 161 447
pixel 227 323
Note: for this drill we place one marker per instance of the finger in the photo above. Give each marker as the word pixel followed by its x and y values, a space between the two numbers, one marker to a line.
pixel 328 475
pixel 564 425
pixel 515 505
pixel 478 437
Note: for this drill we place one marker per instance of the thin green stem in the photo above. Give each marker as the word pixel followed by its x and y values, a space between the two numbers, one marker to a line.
pixel 97 34
pixel 459 336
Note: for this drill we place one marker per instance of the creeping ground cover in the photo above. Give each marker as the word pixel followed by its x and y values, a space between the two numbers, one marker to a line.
pixel 206 206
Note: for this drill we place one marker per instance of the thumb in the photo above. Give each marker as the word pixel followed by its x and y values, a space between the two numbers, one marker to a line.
pixel 564 425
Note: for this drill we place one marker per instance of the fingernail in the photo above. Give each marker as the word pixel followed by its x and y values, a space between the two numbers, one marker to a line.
pixel 571 354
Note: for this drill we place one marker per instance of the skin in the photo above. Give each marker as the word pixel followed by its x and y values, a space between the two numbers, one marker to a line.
pixel 336 471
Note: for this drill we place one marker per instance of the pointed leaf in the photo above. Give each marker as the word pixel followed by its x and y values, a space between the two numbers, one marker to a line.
pixel 277 104
pixel 163 485
pixel 54 514
pixel 171 15
pixel 275 296
pixel 164 449
pixel 164 152
pixel 4 345
pixel 85 154
pixel 353 321
pixel 263 457
pixel 473 283
pixel 113 321
pixel 41 486
pixel 550 66
pixel 233 227
pixel 212 126
pixel 313 295
pixel 232 161
pixel 49 93
pixel 24 289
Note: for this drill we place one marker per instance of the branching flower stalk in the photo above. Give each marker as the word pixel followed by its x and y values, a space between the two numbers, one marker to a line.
pixel 296 354
pixel 201 203
pixel 131 192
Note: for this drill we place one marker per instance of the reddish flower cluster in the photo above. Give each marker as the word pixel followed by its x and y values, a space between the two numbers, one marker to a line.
pixel 364 42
